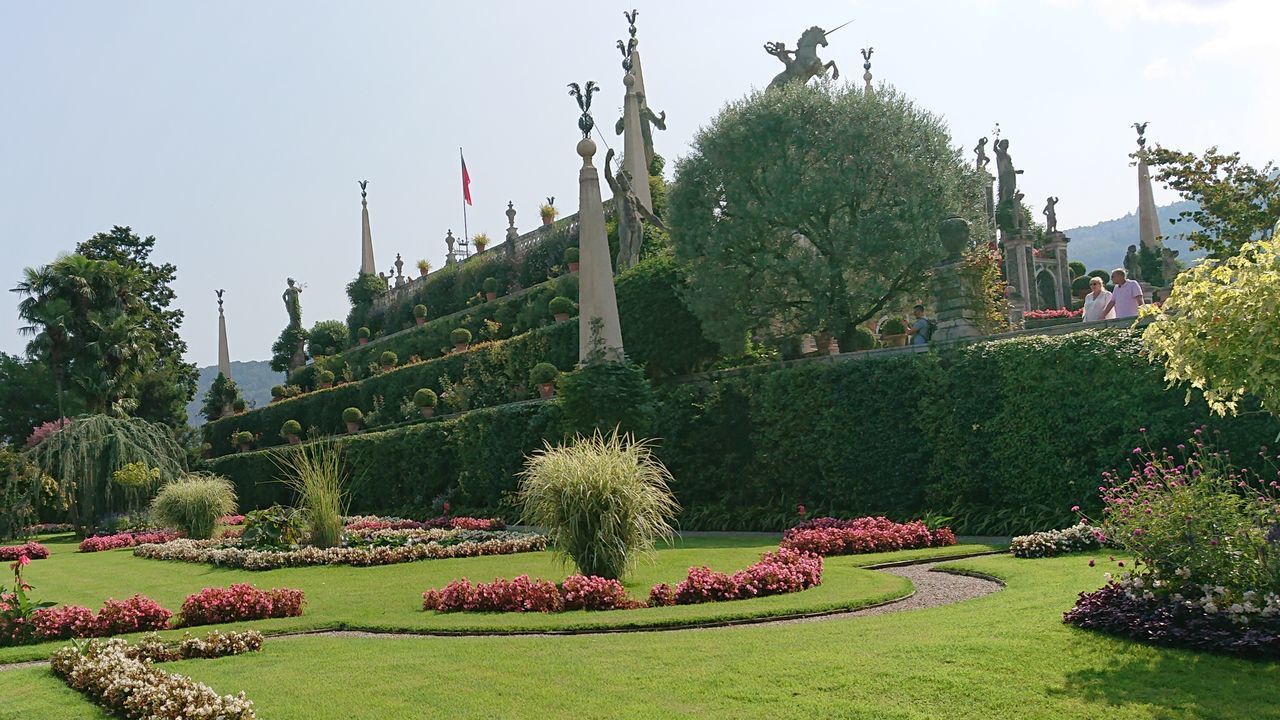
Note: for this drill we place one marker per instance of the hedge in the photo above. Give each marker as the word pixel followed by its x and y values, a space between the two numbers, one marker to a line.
pixel 491 374
pixel 1003 437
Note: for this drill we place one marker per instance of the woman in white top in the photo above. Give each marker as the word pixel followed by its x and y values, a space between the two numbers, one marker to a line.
pixel 1095 303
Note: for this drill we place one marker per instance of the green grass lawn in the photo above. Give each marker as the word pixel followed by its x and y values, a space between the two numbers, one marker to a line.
pixel 1006 655
pixel 389 597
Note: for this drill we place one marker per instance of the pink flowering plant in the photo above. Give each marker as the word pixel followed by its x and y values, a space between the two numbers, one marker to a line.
pixel 1053 314
pixel 522 594
pixel 32 551
pixel 44 431
pixel 241 601
pixel 783 571
pixel 830 536
pixel 17 609
pixel 98 543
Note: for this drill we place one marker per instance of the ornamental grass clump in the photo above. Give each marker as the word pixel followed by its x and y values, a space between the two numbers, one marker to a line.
pixel 317 475
pixel 193 503
pixel 603 501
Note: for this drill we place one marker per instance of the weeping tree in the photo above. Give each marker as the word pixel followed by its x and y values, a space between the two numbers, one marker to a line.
pixel 83 457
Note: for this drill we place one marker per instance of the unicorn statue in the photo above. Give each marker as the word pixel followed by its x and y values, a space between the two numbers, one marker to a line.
pixel 803 62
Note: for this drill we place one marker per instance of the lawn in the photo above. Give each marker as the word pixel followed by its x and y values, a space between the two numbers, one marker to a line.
pixel 389 597
pixel 1006 655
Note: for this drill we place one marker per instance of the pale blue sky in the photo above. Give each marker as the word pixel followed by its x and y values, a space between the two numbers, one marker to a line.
pixel 235 131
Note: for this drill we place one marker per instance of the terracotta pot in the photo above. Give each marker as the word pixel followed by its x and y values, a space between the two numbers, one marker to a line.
pixel 461 347
pixel 246 447
pixel 561 317
pixel 422 273
pixel 419 321
pixel 573 267
pixel 480 248
pixel 353 427
pixel 294 440
pixel 547 390
pixel 326 386
pixel 894 340
pixel 491 296
pixel 547 220
pixel 427 411
pixel 364 341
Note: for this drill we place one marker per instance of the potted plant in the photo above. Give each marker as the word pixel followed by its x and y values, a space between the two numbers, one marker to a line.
pixel 419 314
pixel 277 392
pixel 461 338
pixel 290 431
pixel 548 212
pixel 244 439
pixel 561 308
pixel 571 257
pixel 352 417
pixel 481 241
pixel 325 379
pixel 490 289
pixel 544 375
pixel 893 332
pixel 239 405
pixel 425 399
pixel 424 268
pixel 363 335
pixel 388 360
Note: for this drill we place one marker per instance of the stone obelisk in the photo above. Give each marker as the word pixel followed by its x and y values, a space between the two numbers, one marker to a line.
pixel 1148 221
pixel 224 354
pixel 633 144
pixel 367 266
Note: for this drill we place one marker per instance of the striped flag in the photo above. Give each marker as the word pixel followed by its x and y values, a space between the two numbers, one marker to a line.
pixel 466 179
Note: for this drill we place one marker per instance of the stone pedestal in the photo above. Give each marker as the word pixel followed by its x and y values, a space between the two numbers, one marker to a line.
pixel 599 331
pixel 1056 246
pixel 956 301
pixel 1018 264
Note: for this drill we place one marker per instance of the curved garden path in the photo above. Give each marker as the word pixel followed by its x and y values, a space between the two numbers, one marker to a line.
pixel 933 587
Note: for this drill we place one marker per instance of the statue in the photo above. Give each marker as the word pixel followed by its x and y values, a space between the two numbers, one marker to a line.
pixel 981 151
pixel 1131 266
pixel 583 96
pixel 1006 175
pixel 954 233
pixel 632 214
pixel 1142 131
pixel 292 304
pixel 1050 215
pixel 1019 219
pixel 803 62
pixel 399 271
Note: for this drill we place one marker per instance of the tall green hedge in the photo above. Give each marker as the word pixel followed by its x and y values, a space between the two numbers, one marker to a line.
pixel 490 374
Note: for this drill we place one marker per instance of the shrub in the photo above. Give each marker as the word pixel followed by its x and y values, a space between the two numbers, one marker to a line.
pixel 290 427
pixel 863 339
pixel 193 504
pixel 328 337
pixel 561 305
pixel 490 285
pixel 425 397
pixel 363 333
pixel 571 254
pixel 277 391
pixel 662 335
pixel 1048 543
pixel 315 473
pixel 543 373
pixel 241 601
pixel 352 415
pixel 604 501
pixel 828 536
pixel 460 336
pixel 388 359
pixel 276 527
pixel 116 617
pixel 893 326
pixel 420 311
pixel 239 405
pixel 243 437
pixel 31 550
pixel 603 396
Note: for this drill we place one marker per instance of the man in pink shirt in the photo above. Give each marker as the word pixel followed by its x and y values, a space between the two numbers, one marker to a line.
pixel 1126 295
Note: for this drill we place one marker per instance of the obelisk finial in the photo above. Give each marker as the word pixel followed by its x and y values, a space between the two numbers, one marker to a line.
pixel 583 95
pixel 866 66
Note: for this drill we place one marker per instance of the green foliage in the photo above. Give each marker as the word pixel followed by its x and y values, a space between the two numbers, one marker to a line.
pixel 1080 285
pixel 352 415
pixel 1216 332
pixel 1235 202
pixel 328 337
pixel 242 437
pixel 491 285
pixel 813 230
pixel 571 254
pixel 17 496
pixel 603 396
pixel 893 326
pixel 361 293
pixel 87 453
pixel 239 405
pixel 425 397
pixel 863 339
pixel 547 211
pixel 221 396
pixel 603 501
pixel 660 331
pixel 285 348
pixel 317 475
pixel 290 427
pixel 419 311
pixel 1077 268
pixel 388 359
pixel 543 373
pixel 460 336
pixel 193 503
pixel 561 305
pixel 27 398
pixel 275 528
pixel 324 377
pixel 363 333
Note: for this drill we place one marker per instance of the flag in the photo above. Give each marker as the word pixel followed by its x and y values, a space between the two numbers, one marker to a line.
pixel 466 179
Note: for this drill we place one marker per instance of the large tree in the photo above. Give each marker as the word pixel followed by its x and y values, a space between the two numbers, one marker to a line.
pixel 1237 202
pixel 812 209
pixel 27 398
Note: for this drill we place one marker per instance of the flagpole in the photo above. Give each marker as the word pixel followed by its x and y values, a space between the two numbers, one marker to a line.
pixel 466 234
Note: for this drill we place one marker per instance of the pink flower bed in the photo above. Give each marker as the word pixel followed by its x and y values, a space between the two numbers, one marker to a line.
pixel 1060 313
pixel 241 601
pixel 443 522
pixel 116 617
pixel 231 520
pixel 578 592
pixel 32 550
pixel 47 528
pixel 784 571
pixel 99 543
pixel 829 536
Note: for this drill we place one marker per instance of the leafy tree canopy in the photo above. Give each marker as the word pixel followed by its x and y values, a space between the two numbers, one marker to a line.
pixel 1238 202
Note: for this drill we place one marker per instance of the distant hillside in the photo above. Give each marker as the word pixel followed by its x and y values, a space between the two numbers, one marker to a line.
pixel 255 378
pixel 1102 246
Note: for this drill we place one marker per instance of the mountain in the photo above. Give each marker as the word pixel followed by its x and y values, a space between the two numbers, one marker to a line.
pixel 1102 246
pixel 255 379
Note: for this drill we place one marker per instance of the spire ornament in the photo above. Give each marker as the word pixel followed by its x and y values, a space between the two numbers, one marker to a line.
pixel 583 96
pixel 866 66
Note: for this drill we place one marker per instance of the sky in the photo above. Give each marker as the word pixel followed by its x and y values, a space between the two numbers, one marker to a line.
pixel 235 131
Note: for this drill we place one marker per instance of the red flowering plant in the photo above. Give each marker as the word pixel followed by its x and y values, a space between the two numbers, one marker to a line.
pixel 17 609
pixel 830 536
pixel 1052 314
pixel 241 601
pixel 783 571
pixel 30 550
pixel 522 594
pixel 98 543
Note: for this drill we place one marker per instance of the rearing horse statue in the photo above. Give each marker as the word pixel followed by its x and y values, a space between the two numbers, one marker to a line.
pixel 803 62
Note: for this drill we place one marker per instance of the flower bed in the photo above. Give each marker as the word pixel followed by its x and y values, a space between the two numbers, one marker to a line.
pixel 577 592
pixel 829 536
pixel 784 571
pixel 99 543
pixel 119 678
pixel 116 617
pixel 214 644
pixel 1048 543
pixel 231 520
pixel 417 545
pixel 32 551
pixel 241 601
pixel 374 522
pixel 48 528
